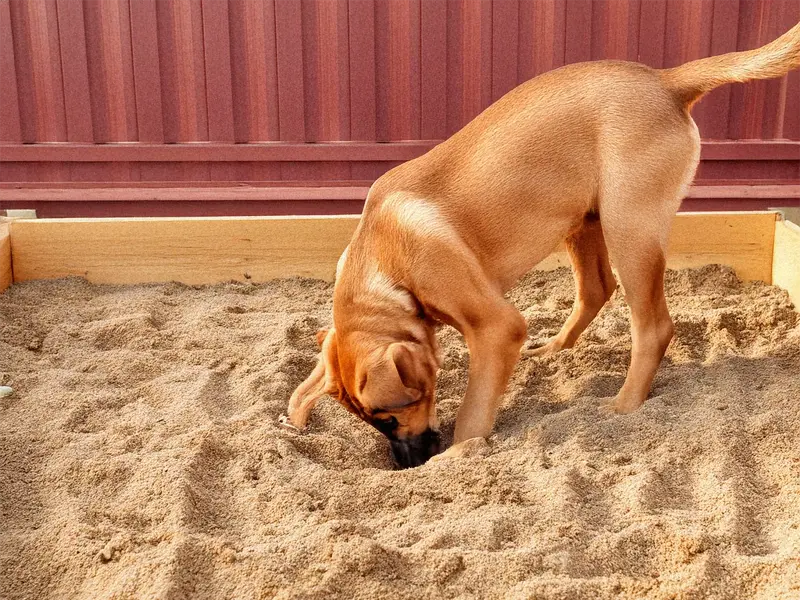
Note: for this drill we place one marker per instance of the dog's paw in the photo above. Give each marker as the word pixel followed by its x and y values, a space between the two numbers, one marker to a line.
pixel 539 348
pixel 284 422
pixel 467 449
pixel 619 406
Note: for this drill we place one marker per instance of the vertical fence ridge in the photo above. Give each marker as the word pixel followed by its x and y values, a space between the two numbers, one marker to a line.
pixel 10 118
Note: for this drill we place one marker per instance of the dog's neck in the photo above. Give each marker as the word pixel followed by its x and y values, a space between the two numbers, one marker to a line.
pixel 368 299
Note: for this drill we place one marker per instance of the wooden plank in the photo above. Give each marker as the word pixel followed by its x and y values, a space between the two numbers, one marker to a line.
pixel 766 150
pixel 72 37
pixel 191 91
pixel 361 18
pixel 192 251
pixel 312 111
pixel 203 190
pixel 113 71
pixel 742 241
pixel 397 67
pixel 454 65
pixel 415 83
pixel 182 209
pixel 579 25
pixel 48 86
pixel 471 61
pixel 168 71
pixel 146 71
pixel 10 128
pixel 209 250
pixel 171 194
pixel 505 49
pixel 23 62
pixel 217 54
pixel 95 62
pixel 284 151
pixel 291 96
pixel 255 78
pixel 750 150
pixel 786 259
pixel 725 26
pixel 383 64
pixel 6 276
pixel 333 83
pixel 90 184
pixel 744 191
pixel 433 58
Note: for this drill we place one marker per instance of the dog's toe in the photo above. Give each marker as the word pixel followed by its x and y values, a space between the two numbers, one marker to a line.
pixel 284 422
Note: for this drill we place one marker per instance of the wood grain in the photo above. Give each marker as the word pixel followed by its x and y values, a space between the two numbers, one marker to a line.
pixel 6 277
pixel 785 153
pixel 210 250
pixel 742 241
pixel 786 259
pixel 10 129
pixel 192 251
pixel 188 194
pixel 295 190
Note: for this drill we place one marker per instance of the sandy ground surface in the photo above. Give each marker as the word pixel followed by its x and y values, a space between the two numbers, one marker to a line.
pixel 140 457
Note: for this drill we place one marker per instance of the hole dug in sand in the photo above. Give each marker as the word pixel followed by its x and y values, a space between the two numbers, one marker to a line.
pixel 140 455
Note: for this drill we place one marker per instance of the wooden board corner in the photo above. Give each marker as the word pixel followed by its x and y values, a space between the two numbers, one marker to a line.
pixel 786 259
pixel 6 274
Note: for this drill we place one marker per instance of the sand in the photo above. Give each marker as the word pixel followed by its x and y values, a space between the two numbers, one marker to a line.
pixel 140 455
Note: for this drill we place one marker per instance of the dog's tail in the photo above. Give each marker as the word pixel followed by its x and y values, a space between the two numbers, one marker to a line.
pixel 692 80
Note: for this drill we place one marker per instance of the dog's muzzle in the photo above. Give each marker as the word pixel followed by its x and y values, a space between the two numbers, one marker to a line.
pixel 415 451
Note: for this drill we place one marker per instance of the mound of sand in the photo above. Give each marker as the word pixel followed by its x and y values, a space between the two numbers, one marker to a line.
pixel 140 456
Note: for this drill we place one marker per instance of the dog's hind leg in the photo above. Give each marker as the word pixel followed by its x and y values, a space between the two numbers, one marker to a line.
pixel 640 262
pixel 637 248
pixel 594 285
pixel 641 190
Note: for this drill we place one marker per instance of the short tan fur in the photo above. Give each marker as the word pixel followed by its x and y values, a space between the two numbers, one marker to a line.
pixel 599 154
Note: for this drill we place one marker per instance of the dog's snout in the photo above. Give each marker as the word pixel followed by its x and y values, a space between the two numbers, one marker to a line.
pixel 415 451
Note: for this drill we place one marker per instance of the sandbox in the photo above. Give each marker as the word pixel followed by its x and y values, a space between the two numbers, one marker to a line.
pixel 140 455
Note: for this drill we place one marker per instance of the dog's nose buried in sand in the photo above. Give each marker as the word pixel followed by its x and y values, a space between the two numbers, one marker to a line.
pixel 598 155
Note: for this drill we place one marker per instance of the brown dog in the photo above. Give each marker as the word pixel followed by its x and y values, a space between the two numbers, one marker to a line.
pixel 598 154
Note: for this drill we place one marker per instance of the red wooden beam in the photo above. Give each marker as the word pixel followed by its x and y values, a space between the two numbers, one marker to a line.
pixel 330 151
pixel 194 194
pixel 58 192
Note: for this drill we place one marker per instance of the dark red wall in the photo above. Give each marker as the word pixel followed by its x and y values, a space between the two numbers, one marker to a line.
pixel 198 91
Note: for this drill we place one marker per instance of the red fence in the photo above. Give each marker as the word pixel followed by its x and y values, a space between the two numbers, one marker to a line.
pixel 271 89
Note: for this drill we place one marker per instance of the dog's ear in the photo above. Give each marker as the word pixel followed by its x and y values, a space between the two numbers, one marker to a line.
pixel 323 380
pixel 412 367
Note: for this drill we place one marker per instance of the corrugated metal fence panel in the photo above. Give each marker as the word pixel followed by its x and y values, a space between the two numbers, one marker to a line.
pixel 168 71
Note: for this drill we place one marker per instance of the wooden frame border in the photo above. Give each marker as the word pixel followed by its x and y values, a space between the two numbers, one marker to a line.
pixel 6 273
pixel 786 259
pixel 212 250
pixel 189 250
pixel 740 240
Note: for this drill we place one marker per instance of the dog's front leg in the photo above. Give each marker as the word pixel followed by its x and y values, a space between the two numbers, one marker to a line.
pixel 494 347
pixel 494 343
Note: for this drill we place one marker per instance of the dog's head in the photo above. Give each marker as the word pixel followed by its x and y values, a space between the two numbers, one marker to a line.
pixel 389 384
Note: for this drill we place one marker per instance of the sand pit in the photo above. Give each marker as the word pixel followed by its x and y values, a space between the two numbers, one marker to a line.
pixel 140 456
